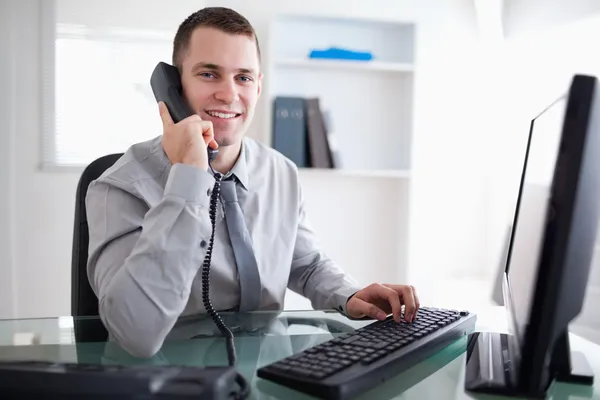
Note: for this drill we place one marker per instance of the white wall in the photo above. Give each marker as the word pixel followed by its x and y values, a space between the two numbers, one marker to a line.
pixel 7 293
pixel 152 14
pixel 523 16
pixel 447 196
pixel 445 237
pixel 535 66
pixel 43 203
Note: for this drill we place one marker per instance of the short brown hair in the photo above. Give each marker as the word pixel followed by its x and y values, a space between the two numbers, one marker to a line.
pixel 221 18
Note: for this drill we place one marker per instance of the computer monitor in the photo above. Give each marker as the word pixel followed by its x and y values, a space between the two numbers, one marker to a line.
pixel 549 255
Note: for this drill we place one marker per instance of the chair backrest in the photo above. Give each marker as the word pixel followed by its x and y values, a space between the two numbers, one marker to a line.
pixel 83 299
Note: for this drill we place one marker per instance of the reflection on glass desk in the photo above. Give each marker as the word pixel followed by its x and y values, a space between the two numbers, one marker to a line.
pixel 262 338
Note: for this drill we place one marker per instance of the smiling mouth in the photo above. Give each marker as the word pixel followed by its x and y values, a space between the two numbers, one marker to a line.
pixel 222 115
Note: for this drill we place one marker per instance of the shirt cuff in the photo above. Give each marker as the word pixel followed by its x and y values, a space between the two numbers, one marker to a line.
pixel 342 296
pixel 190 183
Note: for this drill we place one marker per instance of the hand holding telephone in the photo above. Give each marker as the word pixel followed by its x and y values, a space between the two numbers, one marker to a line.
pixel 183 126
pixel 166 86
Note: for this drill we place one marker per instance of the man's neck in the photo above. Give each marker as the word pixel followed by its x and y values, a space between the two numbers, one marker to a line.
pixel 226 158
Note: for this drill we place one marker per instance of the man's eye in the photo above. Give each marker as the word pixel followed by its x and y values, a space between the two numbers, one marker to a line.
pixel 206 74
pixel 246 78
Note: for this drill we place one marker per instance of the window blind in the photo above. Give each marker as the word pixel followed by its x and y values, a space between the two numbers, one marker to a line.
pixel 97 95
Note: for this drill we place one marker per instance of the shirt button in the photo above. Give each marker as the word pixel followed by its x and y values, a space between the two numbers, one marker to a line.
pixel 203 243
pixel 208 192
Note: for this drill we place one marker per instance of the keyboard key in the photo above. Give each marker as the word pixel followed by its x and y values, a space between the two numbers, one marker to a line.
pixel 351 339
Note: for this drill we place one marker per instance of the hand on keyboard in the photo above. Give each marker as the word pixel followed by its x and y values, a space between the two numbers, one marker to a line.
pixel 348 365
pixel 377 301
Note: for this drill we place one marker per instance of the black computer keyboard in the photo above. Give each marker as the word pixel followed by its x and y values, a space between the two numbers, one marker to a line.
pixel 351 364
pixel 57 380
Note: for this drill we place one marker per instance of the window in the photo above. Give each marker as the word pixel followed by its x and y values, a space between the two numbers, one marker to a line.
pixel 98 97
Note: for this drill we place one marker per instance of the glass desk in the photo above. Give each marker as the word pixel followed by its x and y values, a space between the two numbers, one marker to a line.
pixel 262 338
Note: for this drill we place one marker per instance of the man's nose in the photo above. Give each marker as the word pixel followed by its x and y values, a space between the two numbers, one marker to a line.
pixel 227 92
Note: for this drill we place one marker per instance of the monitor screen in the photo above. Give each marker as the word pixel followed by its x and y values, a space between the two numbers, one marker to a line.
pixel 529 226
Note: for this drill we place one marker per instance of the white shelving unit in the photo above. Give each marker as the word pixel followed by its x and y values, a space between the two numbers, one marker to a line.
pixel 359 210
pixel 370 102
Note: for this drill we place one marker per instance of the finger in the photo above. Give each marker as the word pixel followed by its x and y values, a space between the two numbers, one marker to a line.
pixel 394 299
pixel 164 114
pixel 362 308
pixel 417 302
pixel 209 134
pixel 213 144
pixel 409 303
pixel 207 129
pixel 408 300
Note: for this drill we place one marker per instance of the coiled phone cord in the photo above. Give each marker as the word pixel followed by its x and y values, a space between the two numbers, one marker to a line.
pixel 231 353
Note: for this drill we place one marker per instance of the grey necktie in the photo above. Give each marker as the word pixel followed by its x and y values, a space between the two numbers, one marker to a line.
pixel 241 242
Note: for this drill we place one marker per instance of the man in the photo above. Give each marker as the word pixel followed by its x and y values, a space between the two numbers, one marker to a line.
pixel 149 220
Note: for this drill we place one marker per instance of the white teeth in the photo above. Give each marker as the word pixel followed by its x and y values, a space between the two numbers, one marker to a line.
pixel 220 115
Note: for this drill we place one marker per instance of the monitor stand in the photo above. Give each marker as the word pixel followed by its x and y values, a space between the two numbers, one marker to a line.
pixel 570 366
pixel 489 366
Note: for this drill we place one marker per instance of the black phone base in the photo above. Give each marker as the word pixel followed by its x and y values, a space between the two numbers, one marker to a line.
pixel 489 367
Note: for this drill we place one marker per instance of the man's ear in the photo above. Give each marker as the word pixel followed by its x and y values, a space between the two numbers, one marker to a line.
pixel 259 86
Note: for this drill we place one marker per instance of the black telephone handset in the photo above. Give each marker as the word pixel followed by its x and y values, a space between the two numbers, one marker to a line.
pixel 166 85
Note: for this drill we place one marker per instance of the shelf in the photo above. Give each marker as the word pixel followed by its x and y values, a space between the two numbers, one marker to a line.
pixel 345 64
pixel 357 172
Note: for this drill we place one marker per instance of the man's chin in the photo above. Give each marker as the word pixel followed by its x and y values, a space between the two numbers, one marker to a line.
pixel 228 139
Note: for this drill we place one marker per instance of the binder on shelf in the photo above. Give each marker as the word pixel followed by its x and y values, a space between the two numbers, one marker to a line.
pixel 334 150
pixel 318 144
pixel 289 129
pixel 302 132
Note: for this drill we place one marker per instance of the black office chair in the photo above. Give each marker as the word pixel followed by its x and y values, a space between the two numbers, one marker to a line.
pixel 83 299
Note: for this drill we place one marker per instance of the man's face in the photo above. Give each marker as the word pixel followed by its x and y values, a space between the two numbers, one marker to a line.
pixel 221 80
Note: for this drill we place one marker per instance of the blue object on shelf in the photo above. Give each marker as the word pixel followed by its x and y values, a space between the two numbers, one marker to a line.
pixel 337 53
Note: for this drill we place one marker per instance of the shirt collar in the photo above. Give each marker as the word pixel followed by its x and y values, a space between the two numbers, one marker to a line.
pixel 240 168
